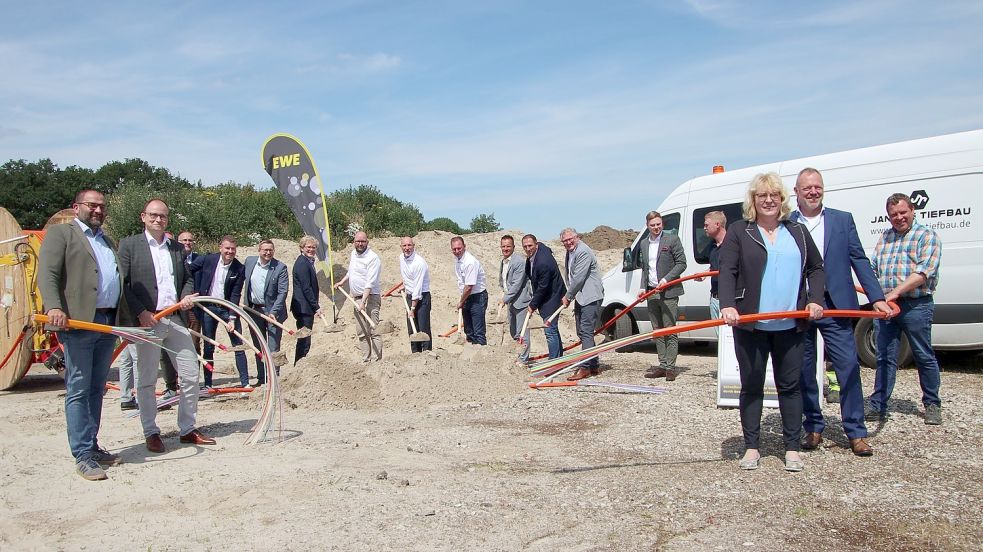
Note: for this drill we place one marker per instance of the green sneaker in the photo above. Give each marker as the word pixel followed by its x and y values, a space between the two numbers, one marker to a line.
pixel 933 414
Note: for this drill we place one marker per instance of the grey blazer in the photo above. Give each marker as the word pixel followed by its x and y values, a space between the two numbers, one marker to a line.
pixel 139 279
pixel 68 274
pixel 584 275
pixel 275 294
pixel 516 286
pixel 670 264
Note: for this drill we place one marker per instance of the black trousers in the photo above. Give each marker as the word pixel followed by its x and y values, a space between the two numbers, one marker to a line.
pixel 421 316
pixel 785 349
pixel 303 345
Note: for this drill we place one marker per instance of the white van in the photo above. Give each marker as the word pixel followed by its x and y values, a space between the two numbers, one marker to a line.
pixel 943 176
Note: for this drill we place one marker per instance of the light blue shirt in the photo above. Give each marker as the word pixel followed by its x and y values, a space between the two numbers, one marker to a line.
pixel 109 286
pixel 257 282
pixel 780 280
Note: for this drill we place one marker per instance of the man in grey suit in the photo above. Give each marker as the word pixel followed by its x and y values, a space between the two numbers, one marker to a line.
pixel 585 288
pixel 155 278
pixel 266 286
pixel 515 292
pixel 78 279
pixel 663 259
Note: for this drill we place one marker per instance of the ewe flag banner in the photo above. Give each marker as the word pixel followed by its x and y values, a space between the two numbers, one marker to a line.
pixel 291 167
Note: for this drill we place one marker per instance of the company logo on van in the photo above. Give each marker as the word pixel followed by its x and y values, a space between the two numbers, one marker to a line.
pixel 919 199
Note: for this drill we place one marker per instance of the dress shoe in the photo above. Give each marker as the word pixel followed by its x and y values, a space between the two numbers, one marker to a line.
pixel 595 370
pixel 750 463
pixel 128 405
pixel 812 440
pixel 580 374
pixel 154 443
pixel 860 447
pixel 197 438
pixel 670 375
pixel 655 373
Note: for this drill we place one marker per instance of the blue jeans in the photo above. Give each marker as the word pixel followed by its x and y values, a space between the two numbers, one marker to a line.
pixel 842 352
pixel 88 356
pixel 553 342
pixel 474 317
pixel 915 320
pixel 208 327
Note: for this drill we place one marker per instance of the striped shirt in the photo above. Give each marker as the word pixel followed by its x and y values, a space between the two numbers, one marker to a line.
pixel 897 256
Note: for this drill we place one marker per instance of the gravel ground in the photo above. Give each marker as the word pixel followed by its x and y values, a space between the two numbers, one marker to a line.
pixel 570 469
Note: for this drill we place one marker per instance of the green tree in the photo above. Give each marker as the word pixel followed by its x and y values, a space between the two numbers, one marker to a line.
pixel 33 192
pixel 446 225
pixel 485 223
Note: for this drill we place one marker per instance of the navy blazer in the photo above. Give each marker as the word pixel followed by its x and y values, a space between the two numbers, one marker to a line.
pixel 841 253
pixel 547 284
pixel 743 258
pixel 204 270
pixel 304 299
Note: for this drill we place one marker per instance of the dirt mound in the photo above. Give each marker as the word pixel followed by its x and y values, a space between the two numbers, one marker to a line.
pixel 605 237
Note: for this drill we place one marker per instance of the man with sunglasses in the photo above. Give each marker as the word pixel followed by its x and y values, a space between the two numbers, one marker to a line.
pixel 79 280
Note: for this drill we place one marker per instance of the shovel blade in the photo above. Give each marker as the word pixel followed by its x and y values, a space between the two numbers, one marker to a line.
pixel 332 328
pixel 302 333
pixel 385 327
pixel 279 358
pixel 600 338
pixel 419 337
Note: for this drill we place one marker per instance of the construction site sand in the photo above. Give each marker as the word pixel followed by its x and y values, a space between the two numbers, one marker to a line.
pixel 333 375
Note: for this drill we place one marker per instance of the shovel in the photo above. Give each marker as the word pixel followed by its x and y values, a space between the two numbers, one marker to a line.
pixel 416 336
pixel 299 333
pixel 538 326
pixel 220 346
pixel 357 307
pixel 520 344
pixel 461 339
pixel 245 342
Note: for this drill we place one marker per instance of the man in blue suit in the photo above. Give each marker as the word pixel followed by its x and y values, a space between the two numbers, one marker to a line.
pixel 221 275
pixel 266 286
pixel 548 289
pixel 836 237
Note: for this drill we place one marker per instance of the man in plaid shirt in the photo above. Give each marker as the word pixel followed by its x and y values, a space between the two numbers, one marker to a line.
pixel 906 261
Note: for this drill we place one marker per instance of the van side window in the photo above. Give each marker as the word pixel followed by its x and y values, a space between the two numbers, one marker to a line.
pixel 701 243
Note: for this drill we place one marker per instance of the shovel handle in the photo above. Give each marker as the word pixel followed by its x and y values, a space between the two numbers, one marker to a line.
pixel 358 307
pixel 237 334
pixel 269 319
pixel 525 324
pixel 555 314
pixel 77 324
pixel 208 339
pixel 409 313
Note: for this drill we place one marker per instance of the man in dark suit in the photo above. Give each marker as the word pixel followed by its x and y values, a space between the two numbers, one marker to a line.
pixel 265 290
pixel 78 278
pixel 663 259
pixel 304 303
pixel 548 289
pixel 221 275
pixel 154 278
pixel 835 235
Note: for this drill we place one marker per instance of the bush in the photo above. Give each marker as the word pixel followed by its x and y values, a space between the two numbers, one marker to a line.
pixel 485 223
pixel 445 224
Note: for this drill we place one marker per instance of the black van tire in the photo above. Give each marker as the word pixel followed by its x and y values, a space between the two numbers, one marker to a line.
pixel 623 327
pixel 867 347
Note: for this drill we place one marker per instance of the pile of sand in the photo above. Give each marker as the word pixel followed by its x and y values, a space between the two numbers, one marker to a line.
pixel 332 376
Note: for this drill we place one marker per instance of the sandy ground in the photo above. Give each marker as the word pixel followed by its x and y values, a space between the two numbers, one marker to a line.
pixel 451 451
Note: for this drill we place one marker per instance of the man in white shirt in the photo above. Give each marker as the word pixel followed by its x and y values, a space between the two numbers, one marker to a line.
pixel 416 287
pixel 364 270
pixel 474 295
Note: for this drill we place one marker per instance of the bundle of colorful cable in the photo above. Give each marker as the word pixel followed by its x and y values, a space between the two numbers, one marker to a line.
pixel 564 364
pixel 271 417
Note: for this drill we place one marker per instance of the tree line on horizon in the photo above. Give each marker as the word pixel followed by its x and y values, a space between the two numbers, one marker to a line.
pixel 34 191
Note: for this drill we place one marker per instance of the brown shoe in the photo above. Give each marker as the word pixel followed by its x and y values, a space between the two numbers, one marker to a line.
pixel 154 443
pixel 860 447
pixel 670 375
pixel 595 371
pixel 580 374
pixel 812 440
pixel 655 373
pixel 195 437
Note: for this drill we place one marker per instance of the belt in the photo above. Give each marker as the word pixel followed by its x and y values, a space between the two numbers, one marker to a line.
pixel 254 305
pixel 106 311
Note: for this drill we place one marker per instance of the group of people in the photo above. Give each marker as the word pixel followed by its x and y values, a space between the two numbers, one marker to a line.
pixel 777 259
pixel 773 260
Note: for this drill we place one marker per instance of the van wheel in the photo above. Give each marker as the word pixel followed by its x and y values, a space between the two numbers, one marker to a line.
pixel 867 345
pixel 623 327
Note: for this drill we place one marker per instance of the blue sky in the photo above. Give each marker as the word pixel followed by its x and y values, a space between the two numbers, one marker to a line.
pixel 549 114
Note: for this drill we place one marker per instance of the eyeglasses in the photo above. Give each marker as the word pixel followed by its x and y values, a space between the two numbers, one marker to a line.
pixel 153 216
pixel 93 206
pixel 772 195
